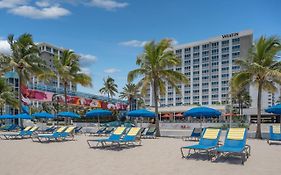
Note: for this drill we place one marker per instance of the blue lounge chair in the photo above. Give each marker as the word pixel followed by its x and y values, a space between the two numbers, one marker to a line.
pixel 208 141
pixel 195 135
pixel 274 134
pixel 150 133
pixel 49 137
pixel 234 144
pixel 114 137
pixel 10 127
pixel 132 137
pixel 20 134
pixel 99 132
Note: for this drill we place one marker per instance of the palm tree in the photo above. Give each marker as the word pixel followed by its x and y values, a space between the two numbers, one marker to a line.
pixel 109 87
pixel 6 95
pixel 130 92
pixel 261 68
pixel 153 63
pixel 68 69
pixel 24 60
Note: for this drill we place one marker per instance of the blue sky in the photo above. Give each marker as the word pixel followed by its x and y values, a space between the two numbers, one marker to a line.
pixel 109 34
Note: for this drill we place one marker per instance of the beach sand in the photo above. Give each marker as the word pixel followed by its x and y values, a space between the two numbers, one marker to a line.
pixel 155 156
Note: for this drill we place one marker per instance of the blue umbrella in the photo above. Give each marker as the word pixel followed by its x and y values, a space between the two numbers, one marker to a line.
pixel 141 113
pixel 43 115
pixel 200 112
pixel 23 116
pixel 7 116
pixel 68 114
pixel 276 109
pixel 98 113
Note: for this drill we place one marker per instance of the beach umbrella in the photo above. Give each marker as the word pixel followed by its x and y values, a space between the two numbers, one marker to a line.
pixel 7 116
pixel 98 113
pixel 23 116
pixel 276 109
pixel 141 113
pixel 67 114
pixel 200 112
pixel 44 115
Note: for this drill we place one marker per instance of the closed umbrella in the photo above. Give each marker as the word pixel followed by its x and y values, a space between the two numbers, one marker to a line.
pixel 200 112
pixel 98 113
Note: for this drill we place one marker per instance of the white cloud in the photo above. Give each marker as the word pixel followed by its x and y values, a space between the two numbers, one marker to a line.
pixel 4 47
pixel 108 4
pixel 40 13
pixel 87 59
pixel 133 43
pixel 12 3
pixel 111 70
pixel 86 70
pixel 42 3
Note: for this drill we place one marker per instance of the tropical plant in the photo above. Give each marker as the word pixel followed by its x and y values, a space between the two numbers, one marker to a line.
pixel 68 69
pixel 260 67
pixel 24 60
pixel 153 69
pixel 6 95
pixel 109 87
pixel 241 97
pixel 130 92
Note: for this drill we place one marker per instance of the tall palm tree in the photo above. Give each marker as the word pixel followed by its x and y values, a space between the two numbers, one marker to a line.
pixel 261 68
pixel 130 92
pixel 24 60
pixel 6 95
pixel 240 96
pixel 68 69
pixel 109 87
pixel 153 63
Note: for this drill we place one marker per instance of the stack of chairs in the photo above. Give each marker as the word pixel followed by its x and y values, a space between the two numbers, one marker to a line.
pixel 274 134
pixel 149 133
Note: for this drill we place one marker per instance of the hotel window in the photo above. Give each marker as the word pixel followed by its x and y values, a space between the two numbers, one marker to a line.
pixel 225 62
pixel 225 50
pixel 187 73
pixel 215 70
pixel 215 89
pixel 170 93
pixel 187 92
pixel 196 79
pixel 215 58
pixel 187 56
pixel 205 96
pixel 215 63
pixel 235 40
pixel 186 98
pixel 187 68
pixel 215 83
pixel 205 84
pixel 225 56
pixel 195 91
pixel 196 73
pixel 178 69
pixel 225 82
pixel 195 85
pixel 215 52
pixel 48 49
pixel 196 55
pixel 196 97
pixel 187 50
pixel 235 48
pixel 225 75
pixel 224 88
pixel 205 65
pixel 187 62
pixel 215 76
pixel 225 43
pixel 225 68
pixel 205 71
pixel 205 46
pixel 205 90
pixel 205 53
pixel 196 61
pixel 215 96
pixel 215 45
pixel 205 59
pixel 235 55
pixel 205 78
pixel 235 67
pixel 196 49
pixel 224 95
pixel 178 51
pixel 205 103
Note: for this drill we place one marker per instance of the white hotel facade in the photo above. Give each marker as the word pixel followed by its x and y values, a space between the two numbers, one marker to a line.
pixel 209 65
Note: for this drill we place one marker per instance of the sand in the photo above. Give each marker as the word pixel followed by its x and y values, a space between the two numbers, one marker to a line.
pixel 155 156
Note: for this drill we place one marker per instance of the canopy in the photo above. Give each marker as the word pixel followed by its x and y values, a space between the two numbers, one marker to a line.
pixel 202 112
pixel 7 116
pixel 98 113
pixel 23 116
pixel 68 114
pixel 141 113
pixel 276 109
pixel 43 115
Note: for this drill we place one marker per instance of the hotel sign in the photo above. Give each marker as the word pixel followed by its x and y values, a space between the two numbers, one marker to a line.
pixel 230 35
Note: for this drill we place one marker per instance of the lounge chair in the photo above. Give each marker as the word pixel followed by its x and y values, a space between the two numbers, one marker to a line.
pixel 234 144
pixel 208 141
pixel 69 132
pixel 9 127
pixel 99 132
pixel 195 135
pixel 274 134
pixel 133 136
pixel 108 130
pixel 78 129
pixel 150 133
pixel 114 137
pixel 20 134
pixel 49 137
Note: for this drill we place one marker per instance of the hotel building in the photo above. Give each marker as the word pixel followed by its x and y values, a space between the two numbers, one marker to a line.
pixel 209 65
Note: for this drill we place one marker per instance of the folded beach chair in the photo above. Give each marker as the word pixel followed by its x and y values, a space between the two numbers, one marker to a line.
pixel 48 137
pixel 132 136
pixel 99 132
pixel 150 133
pixel 274 134
pixel 208 141
pixel 234 144
pixel 195 135
pixel 20 134
pixel 113 138
pixel 78 129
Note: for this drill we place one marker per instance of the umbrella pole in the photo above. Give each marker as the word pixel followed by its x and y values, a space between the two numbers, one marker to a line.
pixel 98 122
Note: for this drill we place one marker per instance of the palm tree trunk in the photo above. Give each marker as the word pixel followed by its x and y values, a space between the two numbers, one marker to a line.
pixel 65 101
pixel 155 91
pixel 130 103
pixel 258 131
pixel 19 94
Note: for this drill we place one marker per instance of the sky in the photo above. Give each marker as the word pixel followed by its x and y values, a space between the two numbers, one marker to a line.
pixel 110 34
